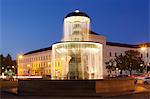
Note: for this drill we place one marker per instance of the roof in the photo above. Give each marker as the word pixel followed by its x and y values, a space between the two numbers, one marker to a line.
pixel 77 13
pixel 122 45
pixel 145 44
pixel 39 50
pixel 91 32
pixel 107 43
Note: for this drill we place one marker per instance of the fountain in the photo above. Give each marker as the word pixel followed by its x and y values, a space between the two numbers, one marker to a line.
pixel 76 56
pixel 77 68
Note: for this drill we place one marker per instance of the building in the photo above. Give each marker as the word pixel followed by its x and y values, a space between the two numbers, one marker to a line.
pixel 41 62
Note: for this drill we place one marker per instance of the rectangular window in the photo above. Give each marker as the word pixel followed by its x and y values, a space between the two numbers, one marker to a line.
pixel 110 54
pixel 115 54
pixel 121 54
pixel 141 55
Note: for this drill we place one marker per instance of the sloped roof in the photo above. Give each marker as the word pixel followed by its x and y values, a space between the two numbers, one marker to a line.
pixel 121 45
pixel 91 32
pixel 39 50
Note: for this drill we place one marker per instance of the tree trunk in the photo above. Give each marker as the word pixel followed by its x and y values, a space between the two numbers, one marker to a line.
pixel 130 72
pixel 110 71
pixel 120 72
pixel 126 72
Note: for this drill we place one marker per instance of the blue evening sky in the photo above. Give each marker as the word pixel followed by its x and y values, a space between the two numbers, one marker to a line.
pixel 27 25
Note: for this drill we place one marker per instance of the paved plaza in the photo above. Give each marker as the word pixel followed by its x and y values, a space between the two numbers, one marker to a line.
pixel 132 96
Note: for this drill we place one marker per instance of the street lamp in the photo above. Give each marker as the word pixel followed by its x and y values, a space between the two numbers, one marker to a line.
pixel 2 67
pixel 20 56
pixel 19 64
pixel 144 49
pixel 49 63
pixel 3 70
pixel 141 66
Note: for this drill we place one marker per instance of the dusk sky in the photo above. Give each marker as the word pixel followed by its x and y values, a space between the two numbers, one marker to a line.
pixel 28 25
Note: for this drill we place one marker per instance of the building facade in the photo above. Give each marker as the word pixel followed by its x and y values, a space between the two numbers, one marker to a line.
pixel 41 62
pixel 38 62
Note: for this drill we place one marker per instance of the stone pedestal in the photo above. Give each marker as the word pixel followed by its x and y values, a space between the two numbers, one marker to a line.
pixel 75 87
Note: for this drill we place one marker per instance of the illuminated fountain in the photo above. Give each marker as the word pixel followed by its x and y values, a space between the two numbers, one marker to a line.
pixel 76 57
pixel 76 60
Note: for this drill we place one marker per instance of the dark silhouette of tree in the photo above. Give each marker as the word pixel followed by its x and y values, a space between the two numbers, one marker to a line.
pixel 7 63
pixel 121 63
pixel 110 66
pixel 131 60
pixel 2 63
pixel 1 60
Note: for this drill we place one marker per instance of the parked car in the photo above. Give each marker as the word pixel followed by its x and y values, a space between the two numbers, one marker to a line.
pixel 138 78
pixel 146 80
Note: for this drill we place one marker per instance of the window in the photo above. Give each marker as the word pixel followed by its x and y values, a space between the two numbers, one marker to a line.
pixel 141 55
pixel 46 57
pixel 44 64
pixel 147 55
pixel 121 54
pixel 115 54
pixel 110 54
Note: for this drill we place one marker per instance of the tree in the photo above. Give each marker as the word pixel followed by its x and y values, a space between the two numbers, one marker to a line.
pixel 7 63
pixel 110 66
pixel 133 60
pixel 8 60
pixel 130 61
pixel 121 63
pixel 2 59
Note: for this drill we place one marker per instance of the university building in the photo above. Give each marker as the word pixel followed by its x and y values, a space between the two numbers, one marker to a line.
pixel 76 28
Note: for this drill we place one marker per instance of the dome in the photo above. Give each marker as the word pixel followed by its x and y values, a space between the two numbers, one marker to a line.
pixel 77 13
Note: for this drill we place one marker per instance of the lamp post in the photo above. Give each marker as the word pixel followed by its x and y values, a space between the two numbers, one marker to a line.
pixel 19 59
pixel 28 69
pixel 141 66
pixel 2 71
pixel 20 56
pixel 115 65
pixel 144 49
